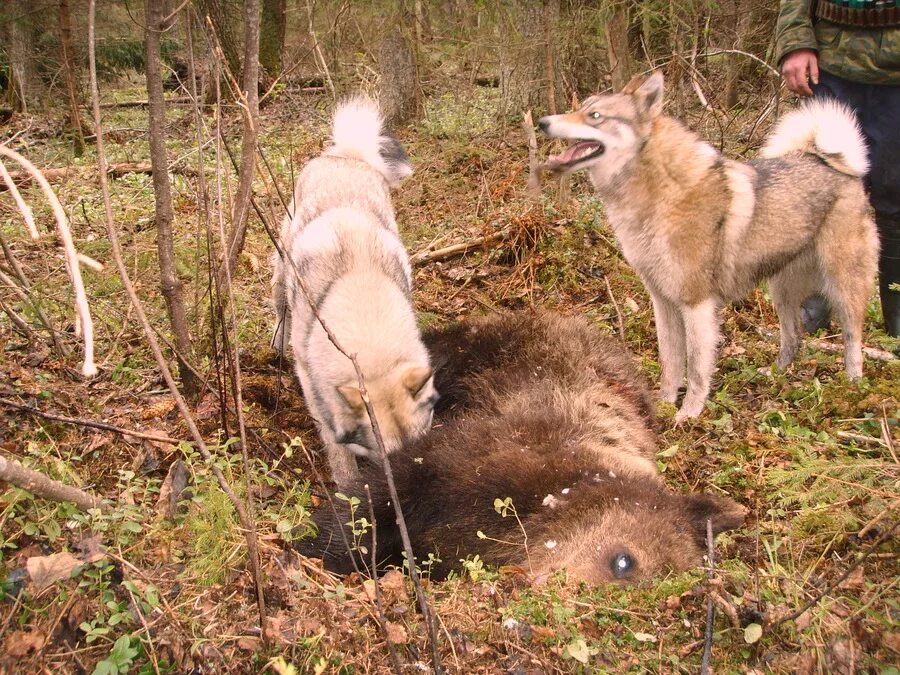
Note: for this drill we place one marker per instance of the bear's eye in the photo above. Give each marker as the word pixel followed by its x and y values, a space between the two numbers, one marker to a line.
pixel 621 565
pixel 594 115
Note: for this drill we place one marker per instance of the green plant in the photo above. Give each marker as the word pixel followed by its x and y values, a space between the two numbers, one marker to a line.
pixel 119 659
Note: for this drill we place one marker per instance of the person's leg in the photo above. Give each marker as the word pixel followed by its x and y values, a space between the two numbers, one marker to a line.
pixel 882 127
pixel 816 313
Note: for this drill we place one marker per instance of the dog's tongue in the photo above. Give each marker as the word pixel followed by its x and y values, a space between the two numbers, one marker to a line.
pixel 574 151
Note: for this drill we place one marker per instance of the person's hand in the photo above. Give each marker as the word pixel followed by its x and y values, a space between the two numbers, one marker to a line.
pixel 798 69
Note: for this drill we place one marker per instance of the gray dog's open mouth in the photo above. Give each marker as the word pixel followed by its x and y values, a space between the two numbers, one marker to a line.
pixel 577 152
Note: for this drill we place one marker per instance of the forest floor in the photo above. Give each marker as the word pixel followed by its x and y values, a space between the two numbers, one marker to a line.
pixel 813 457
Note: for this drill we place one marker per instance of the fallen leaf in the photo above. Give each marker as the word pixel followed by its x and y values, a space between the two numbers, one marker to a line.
pixel 48 569
pixel 543 632
pixel 248 644
pixel 752 633
pixel 393 585
pixel 396 633
pixel 170 491
pixel 19 643
pixel 578 650
pixel 855 579
pixel 158 408
pixel 645 637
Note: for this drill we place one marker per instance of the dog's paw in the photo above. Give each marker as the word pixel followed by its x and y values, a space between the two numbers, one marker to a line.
pixel 689 410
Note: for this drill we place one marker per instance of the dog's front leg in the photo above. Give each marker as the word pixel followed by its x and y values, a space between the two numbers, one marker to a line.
pixel 701 328
pixel 670 335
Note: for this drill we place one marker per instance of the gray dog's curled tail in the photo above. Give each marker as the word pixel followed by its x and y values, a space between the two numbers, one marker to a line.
pixel 358 132
pixel 825 128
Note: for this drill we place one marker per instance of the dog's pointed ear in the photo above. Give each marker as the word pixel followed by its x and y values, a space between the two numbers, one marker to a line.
pixel 352 396
pixel 576 104
pixel 648 94
pixel 415 378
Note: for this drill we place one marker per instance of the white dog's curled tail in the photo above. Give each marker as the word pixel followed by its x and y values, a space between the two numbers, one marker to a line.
pixel 825 128
pixel 358 132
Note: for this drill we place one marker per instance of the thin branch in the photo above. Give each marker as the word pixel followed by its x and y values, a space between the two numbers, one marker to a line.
pixel 533 187
pixel 24 209
pixel 454 250
pixel 379 604
pixel 779 619
pixel 619 320
pixel 872 352
pixel 89 423
pixel 246 523
pixel 43 486
pixel 82 310
pixel 710 604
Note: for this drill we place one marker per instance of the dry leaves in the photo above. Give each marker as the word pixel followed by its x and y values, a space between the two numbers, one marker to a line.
pixel 48 569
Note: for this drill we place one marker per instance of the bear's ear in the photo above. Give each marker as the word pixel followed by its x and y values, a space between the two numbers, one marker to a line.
pixel 647 93
pixel 352 397
pixel 724 513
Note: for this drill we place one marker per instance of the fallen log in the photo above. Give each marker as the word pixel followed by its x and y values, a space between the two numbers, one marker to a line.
pixel 461 248
pixel 43 486
pixel 114 171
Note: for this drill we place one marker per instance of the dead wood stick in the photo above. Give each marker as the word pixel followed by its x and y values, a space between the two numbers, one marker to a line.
pixel 533 187
pixel 247 525
pixel 88 423
pixel 114 170
pixel 619 320
pixel 862 439
pixel 144 103
pixel 43 486
pixel 453 250
pixel 710 603
pixel 872 352
pixel 379 604
pixel 781 617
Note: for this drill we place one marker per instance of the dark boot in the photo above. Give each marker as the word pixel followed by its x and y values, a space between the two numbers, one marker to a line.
pixel 889 272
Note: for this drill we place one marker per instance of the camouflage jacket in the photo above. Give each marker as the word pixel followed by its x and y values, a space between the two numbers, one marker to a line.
pixel 858 54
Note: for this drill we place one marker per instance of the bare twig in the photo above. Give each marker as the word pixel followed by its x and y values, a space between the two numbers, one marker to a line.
pixel 82 310
pixel 872 352
pixel 710 603
pixel 235 341
pixel 320 58
pixel 861 439
pixel 619 320
pixel 24 294
pixel 83 172
pixel 24 209
pixel 246 523
pixel 453 250
pixel 783 617
pixel 43 486
pixel 88 423
pixel 379 605
pixel 533 187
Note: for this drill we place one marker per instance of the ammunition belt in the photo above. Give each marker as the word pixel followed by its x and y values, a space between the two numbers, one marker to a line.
pixel 859 13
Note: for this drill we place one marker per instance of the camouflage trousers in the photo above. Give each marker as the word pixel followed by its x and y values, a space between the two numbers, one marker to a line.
pixel 878 109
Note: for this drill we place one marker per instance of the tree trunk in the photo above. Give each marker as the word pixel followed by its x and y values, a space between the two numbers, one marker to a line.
pixel 223 14
pixel 398 85
pixel 22 76
pixel 168 276
pixel 271 36
pixel 523 57
pixel 551 23
pixel 744 21
pixel 250 94
pixel 621 63
pixel 68 66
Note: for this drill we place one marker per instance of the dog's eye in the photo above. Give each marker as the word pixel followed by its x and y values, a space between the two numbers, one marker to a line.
pixel 621 565
pixel 594 115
